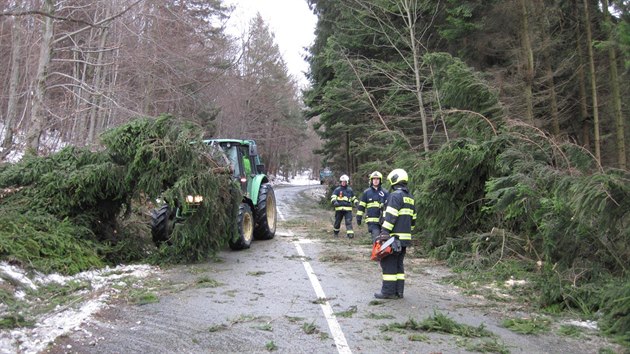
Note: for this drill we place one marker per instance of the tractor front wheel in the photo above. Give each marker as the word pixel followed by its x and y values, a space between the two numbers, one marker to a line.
pixel 162 222
pixel 266 215
pixel 245 228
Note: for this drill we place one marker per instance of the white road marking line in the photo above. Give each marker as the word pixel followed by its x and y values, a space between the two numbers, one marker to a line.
pixel 335 329
pixel 280 214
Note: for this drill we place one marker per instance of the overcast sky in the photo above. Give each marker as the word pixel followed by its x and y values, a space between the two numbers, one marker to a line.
pixel 290 20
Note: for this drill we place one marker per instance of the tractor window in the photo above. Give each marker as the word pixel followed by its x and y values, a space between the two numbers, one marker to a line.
pixel 247 164
pixel 232 154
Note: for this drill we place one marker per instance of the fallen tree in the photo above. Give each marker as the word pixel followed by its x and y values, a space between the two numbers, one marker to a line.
pixel 78 209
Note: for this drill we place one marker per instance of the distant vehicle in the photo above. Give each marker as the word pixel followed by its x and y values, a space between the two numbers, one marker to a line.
pixel 326 176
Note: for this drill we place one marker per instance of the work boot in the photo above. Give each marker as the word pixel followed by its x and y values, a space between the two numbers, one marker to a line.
pixel 350 235
pixel 385 296
pixel 400 288
pixel 336 234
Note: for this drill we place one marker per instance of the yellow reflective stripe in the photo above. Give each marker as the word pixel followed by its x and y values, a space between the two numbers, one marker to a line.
pixel 360 213
pixel 350 231
pixel 408 200
pixel 336 230
pixel 362 203
pixel 391 210
pixel 390 277
pixel 388 225
pixel 374 205
pixel 333 197
pixel 345 199
pixel 405 211
pixel 344 208
pixel 371 220
pixel 400 276
pixel 402 236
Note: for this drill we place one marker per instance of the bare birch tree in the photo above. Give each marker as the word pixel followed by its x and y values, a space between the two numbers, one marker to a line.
pixel 409 41
pixel 16 46
pixel 38 113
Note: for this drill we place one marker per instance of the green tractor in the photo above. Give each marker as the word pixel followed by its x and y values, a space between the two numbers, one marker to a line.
pixel 257 213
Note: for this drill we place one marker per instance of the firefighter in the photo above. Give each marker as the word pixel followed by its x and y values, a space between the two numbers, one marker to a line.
pixel 343 198
pixel 371 204
pixel 399 219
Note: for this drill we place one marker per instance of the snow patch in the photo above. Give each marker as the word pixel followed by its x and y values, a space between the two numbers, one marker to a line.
pixel 100 277
pixel 50 141
pixel 34 340
pixel 584 324
pixel 303 179
pixel 63 319
pixel 300 179
pixel 512 282
pixel 16 275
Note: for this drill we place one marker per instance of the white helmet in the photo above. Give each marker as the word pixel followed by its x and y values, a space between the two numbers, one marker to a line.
pixel 397 176
pixel 344 178
pixel 376 174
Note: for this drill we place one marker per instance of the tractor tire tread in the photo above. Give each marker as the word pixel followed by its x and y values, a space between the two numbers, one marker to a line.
pixel 263 230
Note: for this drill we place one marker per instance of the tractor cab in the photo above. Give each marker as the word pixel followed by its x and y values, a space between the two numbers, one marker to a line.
pixel 245 162
pixel 257 214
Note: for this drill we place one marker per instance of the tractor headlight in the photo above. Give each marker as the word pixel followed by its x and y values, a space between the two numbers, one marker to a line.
pixel 196 199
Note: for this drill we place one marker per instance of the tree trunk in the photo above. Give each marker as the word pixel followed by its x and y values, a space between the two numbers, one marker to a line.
pixel 586 130
pixel 591 61
pixel 98 83
pixel 551 86
pixel 529 69
pixel 82 95
pixel 411 24
pixel 16 46
pixel 614 86
pixel 112 82
pixel 347 148
pixel 38 119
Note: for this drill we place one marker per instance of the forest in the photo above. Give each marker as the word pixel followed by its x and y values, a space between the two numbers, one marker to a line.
pixel 509 116
pixel 74 69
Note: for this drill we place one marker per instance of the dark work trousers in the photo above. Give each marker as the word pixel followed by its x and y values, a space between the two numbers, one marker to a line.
pixel 340 214
pixel 374 229
pixel 394 274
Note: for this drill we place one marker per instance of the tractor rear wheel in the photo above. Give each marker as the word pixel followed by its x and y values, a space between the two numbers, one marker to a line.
pixel 266 215
pixel 162 222
pixel 245 228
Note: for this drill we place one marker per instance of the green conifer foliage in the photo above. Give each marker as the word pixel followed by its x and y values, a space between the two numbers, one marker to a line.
pixel 169 161
pixel 525 195
pixel 64 212
pixel 616 308
pixel 449 188
pixel 56 208
pixel 471 107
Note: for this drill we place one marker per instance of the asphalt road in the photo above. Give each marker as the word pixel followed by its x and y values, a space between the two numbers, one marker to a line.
pixel 302 292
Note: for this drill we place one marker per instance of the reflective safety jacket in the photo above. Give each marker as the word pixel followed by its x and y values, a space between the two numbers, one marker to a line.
pixel 371 203
pixel 400 215
pixel 344 196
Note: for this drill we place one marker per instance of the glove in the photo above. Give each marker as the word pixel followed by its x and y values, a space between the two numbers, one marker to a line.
pixel 396 246
pixel 382 237
pixel 336 203
pixel 359 220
